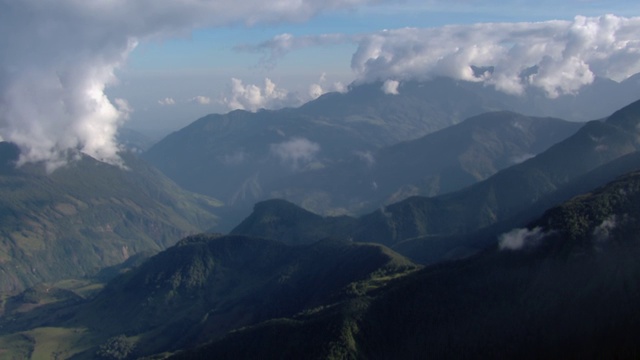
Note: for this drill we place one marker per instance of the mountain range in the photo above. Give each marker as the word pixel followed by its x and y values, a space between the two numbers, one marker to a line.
pixel 512 194
pixel 564 286
pixel 243 157
pixel 494 235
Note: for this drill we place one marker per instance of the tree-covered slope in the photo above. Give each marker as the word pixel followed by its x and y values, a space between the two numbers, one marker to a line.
pixel 86 216
pixel 420 227
pixel 208 285
pixel 563 287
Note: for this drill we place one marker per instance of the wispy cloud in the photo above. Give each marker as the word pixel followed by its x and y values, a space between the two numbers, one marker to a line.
pixel 202 100
pixel 295 152
pixel 518 239
pixel 167 101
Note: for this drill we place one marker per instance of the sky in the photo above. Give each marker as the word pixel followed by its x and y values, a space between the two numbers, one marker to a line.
pixel 73 72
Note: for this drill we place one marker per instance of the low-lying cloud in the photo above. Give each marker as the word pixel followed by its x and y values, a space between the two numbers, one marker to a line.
pixel 518 239
pixel 296 152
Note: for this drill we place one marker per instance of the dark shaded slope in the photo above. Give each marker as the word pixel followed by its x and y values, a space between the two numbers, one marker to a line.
pixel 568 290
pixel 86 216
pixel 208 285
pixel 289 223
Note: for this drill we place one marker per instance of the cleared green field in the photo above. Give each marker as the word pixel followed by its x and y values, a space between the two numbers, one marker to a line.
pixel 45 343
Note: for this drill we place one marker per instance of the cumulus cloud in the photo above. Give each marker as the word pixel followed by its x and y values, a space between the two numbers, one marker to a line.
pixel 390 87
pixel 58 57
pixel 558 57
pixel 252 97
pixel 296 152
pixel 202 100
pixel 517 239
pixel 320 88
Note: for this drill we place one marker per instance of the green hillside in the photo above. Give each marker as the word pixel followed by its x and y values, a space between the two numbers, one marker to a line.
pixel 207 285
pixel 86 216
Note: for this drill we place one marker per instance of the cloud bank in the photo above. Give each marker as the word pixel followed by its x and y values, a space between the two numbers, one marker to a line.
pixel 58 56
pixel 558 57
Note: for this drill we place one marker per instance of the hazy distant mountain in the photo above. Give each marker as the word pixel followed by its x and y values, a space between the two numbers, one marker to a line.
pixel 86 216
pixel 564 287
pixel 240 157
pixel 134 140
pixel 437 163
pixel 232 156
pixel 501 197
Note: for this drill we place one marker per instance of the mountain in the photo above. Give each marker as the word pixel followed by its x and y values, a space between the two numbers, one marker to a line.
pixel 563 287
pixel 436 248
pixel 235 156
pixel 208 285
pixel 240 157
pixel 86 216
pixel 437 163
pixel 500 197
pixel 291 224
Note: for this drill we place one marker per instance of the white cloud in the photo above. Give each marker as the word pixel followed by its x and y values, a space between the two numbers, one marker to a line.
pixel 58 56
pixel 558 57
pixel 296 152
pixel 517 239
pixel 202 100
pixel 315 91
pixel 601 232
pixel 167 101
pixel 123 107
pixel 253 97
pixel 318 89
pixel 390 87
